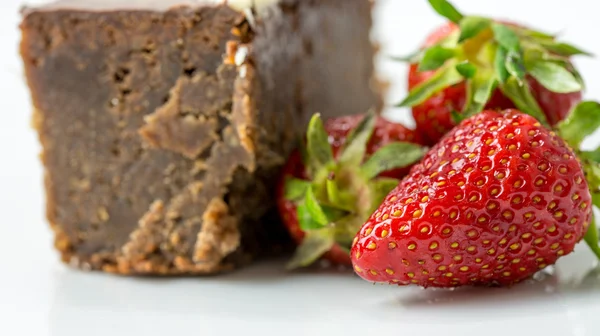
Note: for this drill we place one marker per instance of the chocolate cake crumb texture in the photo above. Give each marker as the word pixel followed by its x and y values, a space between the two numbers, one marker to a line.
pixel 164 125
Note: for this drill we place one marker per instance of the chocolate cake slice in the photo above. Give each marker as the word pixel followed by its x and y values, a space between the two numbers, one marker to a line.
pixel 164 123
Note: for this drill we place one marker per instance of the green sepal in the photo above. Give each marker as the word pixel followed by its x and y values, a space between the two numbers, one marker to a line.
pixel 577 75
pixel 534 34
pixel 310 212
pixel 340 199
pixel 591 169
pixel 412 58
pixel 304 154
pixel 506 37
pixel 596 199
pixel 471 26
pixel 554 76
pixel 314 245
pixel 501 47
pixel 392 156
pixel 346 228
pixel 445 9
pixel 380 188
pixel 593 156
pixel 333 192
pixel 466 69
pixel 353 151
pixel 563 49
pixel 318 150
pixel 522 97
pixel 305 220
pixel 480 90
pixel 435 57
pixel 515 66
pixel 592 172
pixel 295 188
pixel 444 77
pixel 309 223
pixel 510 46
pixel 591 237
pixel 533 55
pixel 456 117
pixel 314 216
pixel 583 120
pixel 500 64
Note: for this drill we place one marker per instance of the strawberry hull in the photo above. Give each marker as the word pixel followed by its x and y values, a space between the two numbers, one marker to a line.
pixel 338 134
pixel 434 116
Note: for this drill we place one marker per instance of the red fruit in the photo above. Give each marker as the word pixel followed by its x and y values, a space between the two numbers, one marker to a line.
pixel 338 130
pixel 499 198
pixel 433 115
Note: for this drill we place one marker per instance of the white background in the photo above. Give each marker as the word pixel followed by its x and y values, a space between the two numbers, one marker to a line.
pixel 39 296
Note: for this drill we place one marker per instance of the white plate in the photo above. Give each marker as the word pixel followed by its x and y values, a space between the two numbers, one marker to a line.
pixel 39 296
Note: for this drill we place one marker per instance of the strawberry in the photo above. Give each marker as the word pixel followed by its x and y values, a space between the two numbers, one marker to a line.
pixel 348 167
pixel 473 63
pixel 499 198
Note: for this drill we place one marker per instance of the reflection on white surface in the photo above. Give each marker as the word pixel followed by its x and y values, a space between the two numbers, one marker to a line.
pixel 268 299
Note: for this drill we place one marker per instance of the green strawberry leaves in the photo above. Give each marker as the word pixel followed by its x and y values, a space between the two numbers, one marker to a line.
pixel 445 9
pixel 485 54
pixel 313 211
pixel 305 219
pixel 471 26
pixel 444 77
pixel 523 99
pixel 314 245
pixel 392 156
pixel 435 57
pixel 506 37
pixel 342 191
pixel 466 69
pixel 591 237
pixel 412 58
pixel 480 89
pixel 295 188
pixel 314 214
pixel 515 66
pixel 355 147
pixel 581 122
pixel 317 145
pixel 500 64
pixel 593 156
pixel 510 52
pixel 564 49
pixel 554 76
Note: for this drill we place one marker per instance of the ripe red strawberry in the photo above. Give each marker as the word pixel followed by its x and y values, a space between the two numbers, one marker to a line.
pixel 499 198
pixel 324 198
pixel 475 63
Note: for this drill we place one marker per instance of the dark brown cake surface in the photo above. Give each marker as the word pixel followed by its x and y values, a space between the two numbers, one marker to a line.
pixel 134 5
pixel 164 125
